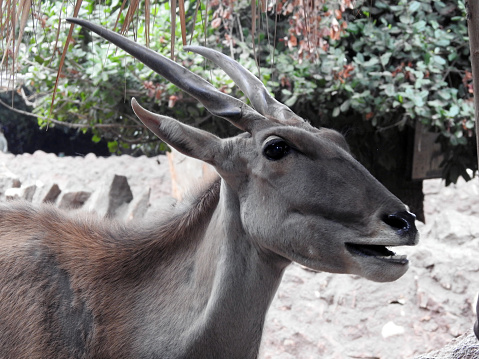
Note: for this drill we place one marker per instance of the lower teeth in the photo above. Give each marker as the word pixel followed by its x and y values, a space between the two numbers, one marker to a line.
pixel 394 258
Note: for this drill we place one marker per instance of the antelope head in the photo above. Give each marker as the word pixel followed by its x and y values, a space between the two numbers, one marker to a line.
pixel 299 194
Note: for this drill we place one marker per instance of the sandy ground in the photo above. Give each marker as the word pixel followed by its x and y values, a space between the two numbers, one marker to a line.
pixel 322 315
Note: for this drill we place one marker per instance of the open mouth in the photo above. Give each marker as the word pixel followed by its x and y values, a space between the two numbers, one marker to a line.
pixel 376 251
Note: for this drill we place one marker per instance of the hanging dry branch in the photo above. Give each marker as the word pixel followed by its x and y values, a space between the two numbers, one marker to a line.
pixel 181 4
pixel 8 27
pixel 194 20
pixel 129 15
pixel 64 53
pixel 119 14
pixel 54 51
pixel 25 11
pixel 173 28
pixel 147 22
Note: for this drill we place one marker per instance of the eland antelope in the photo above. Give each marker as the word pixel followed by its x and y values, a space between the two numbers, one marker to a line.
pixel 198 282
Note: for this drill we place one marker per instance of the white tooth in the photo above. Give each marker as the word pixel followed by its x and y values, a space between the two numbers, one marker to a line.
pixel 394 257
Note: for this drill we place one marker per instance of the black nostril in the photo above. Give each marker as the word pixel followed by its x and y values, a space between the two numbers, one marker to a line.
pixel 403 222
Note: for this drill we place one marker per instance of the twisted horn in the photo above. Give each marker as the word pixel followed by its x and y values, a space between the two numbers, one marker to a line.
pixel 251 86
pixel 216 102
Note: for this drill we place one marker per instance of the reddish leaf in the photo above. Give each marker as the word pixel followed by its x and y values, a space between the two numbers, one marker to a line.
pixel 216 23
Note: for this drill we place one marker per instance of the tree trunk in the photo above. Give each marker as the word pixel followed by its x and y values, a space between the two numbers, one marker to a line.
pixel 473 27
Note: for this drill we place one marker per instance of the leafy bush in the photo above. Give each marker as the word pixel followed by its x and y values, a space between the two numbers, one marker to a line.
pixel 98 80
pixel 372 72
pixel 400 62
pixel 411 63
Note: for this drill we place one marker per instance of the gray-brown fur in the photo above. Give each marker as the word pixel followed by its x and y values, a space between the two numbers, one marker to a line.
pixel 69 282
pixel 197 283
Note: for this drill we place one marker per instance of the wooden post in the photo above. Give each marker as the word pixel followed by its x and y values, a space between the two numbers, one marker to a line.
pixel 473 27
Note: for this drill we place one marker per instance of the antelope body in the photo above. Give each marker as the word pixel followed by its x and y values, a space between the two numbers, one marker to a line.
pixel 198 282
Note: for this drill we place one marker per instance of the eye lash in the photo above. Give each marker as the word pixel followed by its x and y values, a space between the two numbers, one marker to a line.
pixel 290 145
pixel 276 139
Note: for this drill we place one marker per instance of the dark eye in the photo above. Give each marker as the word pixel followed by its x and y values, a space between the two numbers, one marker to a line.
pixel 276 149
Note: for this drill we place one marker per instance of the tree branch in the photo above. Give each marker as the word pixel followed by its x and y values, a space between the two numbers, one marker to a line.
pixel 70 125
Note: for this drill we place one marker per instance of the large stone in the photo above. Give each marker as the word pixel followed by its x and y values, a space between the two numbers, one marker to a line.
pixel 46 193
pixel 52 194
pixel 139 206
pixel 74 200
pixel 119 195
pixel 111 198
pixel 25 192
pixel 464 347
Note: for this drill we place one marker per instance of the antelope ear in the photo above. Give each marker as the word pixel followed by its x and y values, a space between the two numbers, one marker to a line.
pixel 188 140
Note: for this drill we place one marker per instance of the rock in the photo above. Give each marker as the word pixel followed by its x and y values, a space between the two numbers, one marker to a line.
pixel 464 347
pixel 462 196
pixel 452 226
pixel 74 200
pixel 139 206
pixel 25 193
pixel 112 197
pixel 119 195
pixel 8 179
pixel 52 194
pixel 46 193
pixel 390 329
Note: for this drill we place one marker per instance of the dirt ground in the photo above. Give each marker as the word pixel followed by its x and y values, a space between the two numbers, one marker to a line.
pixel 323 315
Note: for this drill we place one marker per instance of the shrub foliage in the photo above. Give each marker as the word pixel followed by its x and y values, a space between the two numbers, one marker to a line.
pixel 372 71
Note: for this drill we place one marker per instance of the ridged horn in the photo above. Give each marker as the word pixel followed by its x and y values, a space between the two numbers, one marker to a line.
pixel 251 86
pixel 216 102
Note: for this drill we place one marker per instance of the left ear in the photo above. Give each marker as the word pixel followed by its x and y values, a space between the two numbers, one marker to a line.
pixel 188 140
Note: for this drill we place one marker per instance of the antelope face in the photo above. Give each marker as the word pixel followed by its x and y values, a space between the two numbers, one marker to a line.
pixel 301 194
pixel 307 199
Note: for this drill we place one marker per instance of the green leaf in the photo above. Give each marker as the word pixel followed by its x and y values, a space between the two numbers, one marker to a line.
pixel 291 101
pixel 470 124
pixel 442 42
pixel 452 56
pixel 405 19
pixel 345 106
pixel 453 111
pixel 39 59
pixel 436 103
pixel 389 90
pixel 414 6
pixel 359 58
pixel 113 146
pixel 336 111
pixel 420 26
pixel 385 58
pixel 164 147
pixel 439 60
pixel 371 62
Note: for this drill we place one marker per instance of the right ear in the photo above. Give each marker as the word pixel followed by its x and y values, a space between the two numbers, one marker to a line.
pixel 188 140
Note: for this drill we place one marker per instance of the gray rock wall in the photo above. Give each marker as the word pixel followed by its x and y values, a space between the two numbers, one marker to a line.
pixel 121 187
